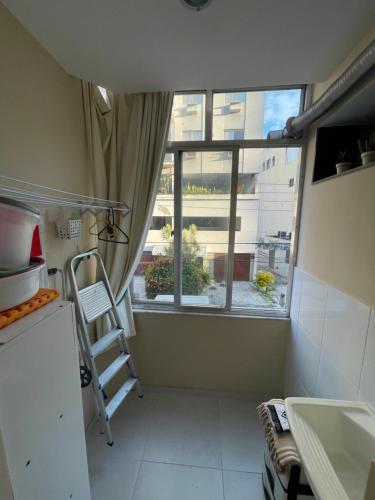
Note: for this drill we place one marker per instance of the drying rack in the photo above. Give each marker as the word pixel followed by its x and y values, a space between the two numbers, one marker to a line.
pixel 45 197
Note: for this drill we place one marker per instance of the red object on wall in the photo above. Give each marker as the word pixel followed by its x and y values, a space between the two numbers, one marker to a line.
pixel 36 247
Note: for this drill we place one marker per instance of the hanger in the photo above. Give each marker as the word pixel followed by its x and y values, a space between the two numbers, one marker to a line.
pixel 111 232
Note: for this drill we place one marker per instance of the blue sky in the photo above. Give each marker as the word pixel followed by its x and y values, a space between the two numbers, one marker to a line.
pixel 279 105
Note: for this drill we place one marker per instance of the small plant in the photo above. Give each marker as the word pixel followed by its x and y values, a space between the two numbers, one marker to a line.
pixel 344 156
pixel 367 149
pixel 368 144
pixel 344 161
pixel 265 281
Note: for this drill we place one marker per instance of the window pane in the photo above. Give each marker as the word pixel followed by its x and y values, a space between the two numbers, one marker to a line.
pixel 188 118
pixel 251 115
pixel 154 278
pixel 206 184
pixel 267 223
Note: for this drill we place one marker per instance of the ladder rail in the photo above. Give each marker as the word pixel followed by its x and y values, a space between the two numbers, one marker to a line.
pixel 83 332
pixel 104 411
pixel 118 320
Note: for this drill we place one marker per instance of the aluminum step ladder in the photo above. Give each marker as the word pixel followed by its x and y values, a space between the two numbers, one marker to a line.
pixel 94 302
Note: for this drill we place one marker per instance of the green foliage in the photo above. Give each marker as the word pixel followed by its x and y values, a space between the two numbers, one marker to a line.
pixel 159 275
pixel 265 281
pixel 193 189
pixel 166 184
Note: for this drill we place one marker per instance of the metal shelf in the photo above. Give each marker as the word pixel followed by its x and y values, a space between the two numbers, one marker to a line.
pixel 44 197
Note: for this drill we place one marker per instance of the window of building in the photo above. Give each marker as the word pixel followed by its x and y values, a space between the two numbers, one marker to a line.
pixel 215 232
pixel 192 135
pixel 263 111
pixel 233 134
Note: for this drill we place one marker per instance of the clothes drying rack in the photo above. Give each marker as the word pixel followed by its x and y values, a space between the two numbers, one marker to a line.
pixel 48 198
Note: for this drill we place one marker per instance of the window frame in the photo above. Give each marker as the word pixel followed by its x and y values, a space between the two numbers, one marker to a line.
pixel 177 148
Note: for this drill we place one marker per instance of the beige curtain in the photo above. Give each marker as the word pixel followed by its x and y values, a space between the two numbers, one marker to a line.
pixel 126 139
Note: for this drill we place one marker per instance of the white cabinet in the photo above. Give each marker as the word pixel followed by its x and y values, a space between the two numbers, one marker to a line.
pixel 42 441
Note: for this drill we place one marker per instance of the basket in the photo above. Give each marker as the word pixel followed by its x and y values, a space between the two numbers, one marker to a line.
pixel 68 229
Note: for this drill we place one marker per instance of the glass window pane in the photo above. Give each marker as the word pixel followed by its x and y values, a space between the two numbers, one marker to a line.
pixel 251 115
pixel 206 188
pixel 267 211
pixel 154 277
pixel 188 118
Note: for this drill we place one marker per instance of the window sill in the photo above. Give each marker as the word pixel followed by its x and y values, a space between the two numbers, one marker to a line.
pixel 200 311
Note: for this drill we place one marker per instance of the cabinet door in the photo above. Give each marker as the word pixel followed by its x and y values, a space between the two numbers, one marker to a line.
pixel 41 412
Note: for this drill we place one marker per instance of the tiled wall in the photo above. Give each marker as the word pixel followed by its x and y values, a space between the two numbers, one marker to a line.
pixel 331 349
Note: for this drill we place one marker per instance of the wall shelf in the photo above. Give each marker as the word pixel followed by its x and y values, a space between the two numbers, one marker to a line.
pixel 359 168
pixel 331 140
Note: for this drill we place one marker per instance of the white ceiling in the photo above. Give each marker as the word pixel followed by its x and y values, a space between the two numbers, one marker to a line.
pixel 146 45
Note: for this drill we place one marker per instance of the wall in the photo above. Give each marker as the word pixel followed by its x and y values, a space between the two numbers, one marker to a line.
pixel 42 136
pixel 331 347
pixel 337 235
pixel 210 352
pixel 331 353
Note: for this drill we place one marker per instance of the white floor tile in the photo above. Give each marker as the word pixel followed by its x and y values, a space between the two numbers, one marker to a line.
pixel 157 481
pixel 174 445
pixel 184 430
pixel 242 437
pixel 129 430
pixel 113 479
pixel 242 486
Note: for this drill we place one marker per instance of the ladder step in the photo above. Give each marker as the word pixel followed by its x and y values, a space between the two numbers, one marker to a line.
pixel 102 344
pixel 119 397
pixel 95 301
pixel 112 369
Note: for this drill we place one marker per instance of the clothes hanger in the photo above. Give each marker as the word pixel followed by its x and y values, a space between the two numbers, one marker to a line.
pixel 111 231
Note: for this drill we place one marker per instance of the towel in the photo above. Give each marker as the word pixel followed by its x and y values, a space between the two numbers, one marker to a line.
pixel 281 445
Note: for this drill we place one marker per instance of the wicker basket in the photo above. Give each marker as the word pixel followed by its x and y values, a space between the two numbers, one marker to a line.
pixel 68 229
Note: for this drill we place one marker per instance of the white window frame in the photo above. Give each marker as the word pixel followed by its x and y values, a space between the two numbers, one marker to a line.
pixel 177 148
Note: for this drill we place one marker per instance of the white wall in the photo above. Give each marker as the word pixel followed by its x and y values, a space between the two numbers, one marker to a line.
pixel 337 235
pixel 42 135
pixel 331 347
pixel 331 353
pixel 211 352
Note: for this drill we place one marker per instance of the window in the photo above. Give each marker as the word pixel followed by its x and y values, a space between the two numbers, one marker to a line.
pixel 210 223
pixel 158 222
pixel 233 134
pixel 188 118
pixel 192 135
pixel 224 214
pixel 262 112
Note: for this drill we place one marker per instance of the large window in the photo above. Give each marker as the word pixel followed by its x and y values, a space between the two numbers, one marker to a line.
pixel 222 232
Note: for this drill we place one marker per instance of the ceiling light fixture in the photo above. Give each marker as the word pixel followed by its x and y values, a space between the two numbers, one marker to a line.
pixel 196 4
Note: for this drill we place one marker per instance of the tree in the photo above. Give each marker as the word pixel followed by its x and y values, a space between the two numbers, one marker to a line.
pixel 159 275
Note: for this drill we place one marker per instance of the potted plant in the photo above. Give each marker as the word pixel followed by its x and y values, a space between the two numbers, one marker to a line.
pixel 344 162
pixel 367 150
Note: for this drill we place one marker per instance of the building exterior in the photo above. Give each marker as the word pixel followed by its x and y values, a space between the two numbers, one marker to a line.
pixel 265 194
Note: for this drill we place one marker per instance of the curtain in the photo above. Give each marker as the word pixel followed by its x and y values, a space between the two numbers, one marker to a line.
pixel 126 140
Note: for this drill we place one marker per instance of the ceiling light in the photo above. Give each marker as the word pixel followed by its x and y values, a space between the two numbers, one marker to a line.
pixel 196 4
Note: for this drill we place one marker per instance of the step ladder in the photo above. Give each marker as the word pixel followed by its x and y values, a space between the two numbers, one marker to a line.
pixel 94 302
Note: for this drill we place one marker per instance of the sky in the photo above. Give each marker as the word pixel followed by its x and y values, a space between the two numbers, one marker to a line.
pixel 279 105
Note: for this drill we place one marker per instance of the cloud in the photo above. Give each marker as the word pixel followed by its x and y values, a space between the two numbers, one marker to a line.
pixel 279 105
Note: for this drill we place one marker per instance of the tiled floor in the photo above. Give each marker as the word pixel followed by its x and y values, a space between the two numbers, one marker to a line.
pixel 179 445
